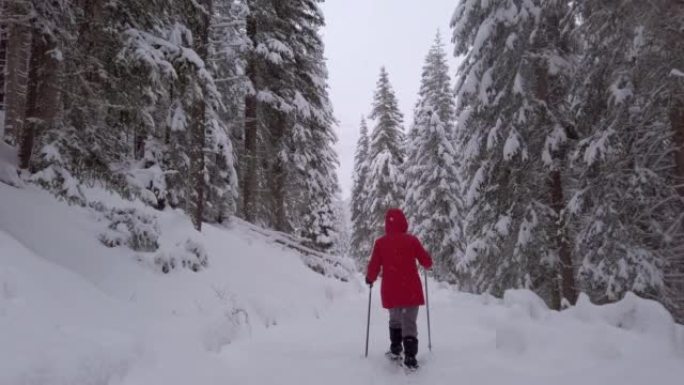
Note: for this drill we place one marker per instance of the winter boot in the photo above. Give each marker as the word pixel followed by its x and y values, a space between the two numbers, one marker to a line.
pixel 410 351
pixel 395 342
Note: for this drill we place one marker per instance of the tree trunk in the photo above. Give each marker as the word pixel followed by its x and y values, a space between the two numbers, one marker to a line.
pixel 42 99
pixel 567 271
pixel 197 180
pixel 16 70
pixel 563 279
pixel 675 274
pixel 3 63
pixel 198 133
pixel 673 36
pixel 278 181
pixel 249 189
pixel 677 123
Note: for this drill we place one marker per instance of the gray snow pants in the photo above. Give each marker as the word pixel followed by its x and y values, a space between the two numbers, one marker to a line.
pixel 404 318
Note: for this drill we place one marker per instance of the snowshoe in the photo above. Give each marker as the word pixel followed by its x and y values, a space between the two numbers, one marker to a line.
pixel 394 357
pixel 411 364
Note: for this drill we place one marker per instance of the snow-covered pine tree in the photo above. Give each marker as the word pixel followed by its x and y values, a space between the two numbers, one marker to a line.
pixel 627 207
pixel 361 241
pixel 668 27
pixel 289 180
pixel 42 92
pixel 3 63
pixel 511 134
pixel 267 106
pixel 386 155
pixel 16 66
pixel 101 82
pixel 343 226
pixel 227 44
pixel 312 160
pixel 175 56
pixel 433 202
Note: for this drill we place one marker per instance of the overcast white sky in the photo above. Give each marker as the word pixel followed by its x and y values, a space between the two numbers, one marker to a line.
pixel 363 35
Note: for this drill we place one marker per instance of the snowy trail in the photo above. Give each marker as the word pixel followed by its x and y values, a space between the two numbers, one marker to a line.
pixel 471 345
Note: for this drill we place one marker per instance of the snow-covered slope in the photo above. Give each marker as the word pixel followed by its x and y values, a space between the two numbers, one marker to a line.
pixel 75 312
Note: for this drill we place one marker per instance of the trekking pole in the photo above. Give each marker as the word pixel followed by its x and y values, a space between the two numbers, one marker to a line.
pixel 427 307
pixel 370 292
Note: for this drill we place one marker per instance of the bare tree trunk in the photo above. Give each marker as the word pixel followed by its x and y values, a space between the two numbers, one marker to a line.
pixel 197 182
pixel 278 188
pixel 249 189
pixel 42 101
pixel 567 271
pixel 198 133
pixel 675 274
pixel 673 36
pixel 563 279
pixel 3 63
pixel 677 122
pixel 16 70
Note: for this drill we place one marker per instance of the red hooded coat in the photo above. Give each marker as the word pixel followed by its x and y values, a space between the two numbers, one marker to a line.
pixel 396 253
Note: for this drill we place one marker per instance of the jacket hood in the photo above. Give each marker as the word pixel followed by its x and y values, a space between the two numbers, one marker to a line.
pixel 395 222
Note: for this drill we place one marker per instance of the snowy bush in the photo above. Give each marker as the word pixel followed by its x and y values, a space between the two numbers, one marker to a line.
pixel 60 182
pixel 190 255
pixel 65 162
pixel 129 227
pixel 147 177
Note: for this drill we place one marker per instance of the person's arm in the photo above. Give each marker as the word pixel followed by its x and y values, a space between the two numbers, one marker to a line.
pixel 422 255
pixel 374 265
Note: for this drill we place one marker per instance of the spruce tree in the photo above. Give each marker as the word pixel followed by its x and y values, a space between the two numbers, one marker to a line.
pixel 288 122
pixel 627 162
pixel 433 202
pixel 386 156
pixel 313 162
pixel 124 96
pixel 512 132
pixel 361 241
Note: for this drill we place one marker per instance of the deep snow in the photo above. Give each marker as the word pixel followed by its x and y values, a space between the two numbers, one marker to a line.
pixel 75 312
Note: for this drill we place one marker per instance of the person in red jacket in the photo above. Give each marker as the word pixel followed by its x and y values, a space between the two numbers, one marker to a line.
pixel 395 254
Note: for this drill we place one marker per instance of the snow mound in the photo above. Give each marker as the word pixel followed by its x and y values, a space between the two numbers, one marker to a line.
pixel 631 313
pixel 528 328
pixel 45 339
pixel 525 303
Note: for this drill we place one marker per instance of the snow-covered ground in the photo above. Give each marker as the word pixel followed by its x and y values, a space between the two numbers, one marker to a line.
pixel 75 312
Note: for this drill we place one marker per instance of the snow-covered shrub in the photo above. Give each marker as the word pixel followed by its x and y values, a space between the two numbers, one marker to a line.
pixel 67 162
pixel 54 176
pixel 189 255
pixel 147 177
pixel 129 227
